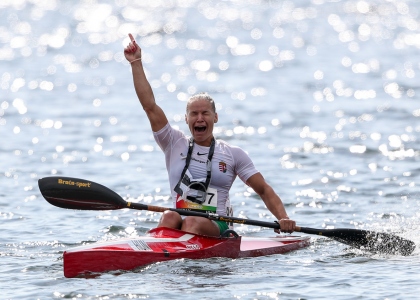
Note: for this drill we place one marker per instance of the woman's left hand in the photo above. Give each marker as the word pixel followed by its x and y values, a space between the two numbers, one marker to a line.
pixel 286 225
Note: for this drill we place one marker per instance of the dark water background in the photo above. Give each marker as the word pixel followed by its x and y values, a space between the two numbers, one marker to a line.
pixel 324 95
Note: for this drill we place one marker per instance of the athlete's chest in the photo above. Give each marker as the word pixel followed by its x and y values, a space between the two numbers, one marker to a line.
pixel 222 165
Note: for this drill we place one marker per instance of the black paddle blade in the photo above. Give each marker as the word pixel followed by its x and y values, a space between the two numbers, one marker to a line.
pixel 74 193
pixel 378 242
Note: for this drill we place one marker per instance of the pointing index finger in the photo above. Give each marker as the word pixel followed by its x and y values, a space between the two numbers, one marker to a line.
pixel 131 37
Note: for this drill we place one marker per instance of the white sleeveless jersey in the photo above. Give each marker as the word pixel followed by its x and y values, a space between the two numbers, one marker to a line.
pixel 227 163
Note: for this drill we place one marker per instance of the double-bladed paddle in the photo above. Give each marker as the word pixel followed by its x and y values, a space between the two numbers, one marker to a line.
pixel 74 193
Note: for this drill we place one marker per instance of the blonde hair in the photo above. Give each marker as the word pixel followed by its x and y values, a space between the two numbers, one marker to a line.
pixel 204 96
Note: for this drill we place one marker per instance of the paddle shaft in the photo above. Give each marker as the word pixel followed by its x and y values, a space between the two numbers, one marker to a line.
pixel 210 216
pixel 226 219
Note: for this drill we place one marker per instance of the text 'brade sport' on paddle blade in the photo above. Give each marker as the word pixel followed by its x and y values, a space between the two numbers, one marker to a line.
pixel 378 242
pixel 74 193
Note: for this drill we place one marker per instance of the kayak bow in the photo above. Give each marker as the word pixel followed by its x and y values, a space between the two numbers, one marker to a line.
pixel 163 244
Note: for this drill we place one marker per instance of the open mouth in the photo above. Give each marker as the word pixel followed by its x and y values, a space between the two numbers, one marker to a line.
pixel 200 128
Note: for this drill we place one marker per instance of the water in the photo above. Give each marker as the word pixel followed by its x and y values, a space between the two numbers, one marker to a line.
pixel 322 94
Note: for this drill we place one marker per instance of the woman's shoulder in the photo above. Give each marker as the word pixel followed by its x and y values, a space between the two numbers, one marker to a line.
pixel 227 147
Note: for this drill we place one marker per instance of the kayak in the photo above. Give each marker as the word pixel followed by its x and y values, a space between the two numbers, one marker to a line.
pixel 163 244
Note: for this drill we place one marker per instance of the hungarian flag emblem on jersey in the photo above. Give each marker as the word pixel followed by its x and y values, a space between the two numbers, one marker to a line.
pixel 222 167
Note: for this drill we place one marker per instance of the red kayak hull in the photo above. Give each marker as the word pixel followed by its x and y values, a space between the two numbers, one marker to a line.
pixel 163 244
